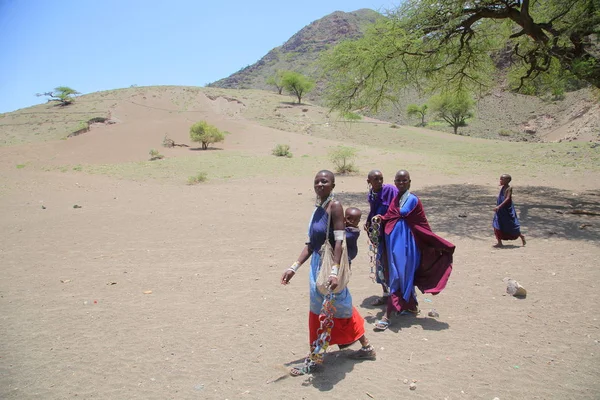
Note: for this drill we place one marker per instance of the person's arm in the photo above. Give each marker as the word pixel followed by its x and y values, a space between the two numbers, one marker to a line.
pixel 507 197
pixel 337 220
pixel 289 273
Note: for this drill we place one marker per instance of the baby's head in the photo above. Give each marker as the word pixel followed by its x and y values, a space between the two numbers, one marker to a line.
pixel 352 217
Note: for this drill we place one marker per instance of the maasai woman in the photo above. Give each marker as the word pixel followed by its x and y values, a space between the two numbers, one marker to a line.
pixel 380 196
pixel 506 223
pixel 348 325
pixel 416 256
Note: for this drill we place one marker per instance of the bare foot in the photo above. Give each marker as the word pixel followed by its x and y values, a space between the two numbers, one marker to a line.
pixel 523 240
pixel 498 245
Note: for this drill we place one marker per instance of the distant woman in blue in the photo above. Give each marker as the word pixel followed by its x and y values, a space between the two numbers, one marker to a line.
pixel 506 223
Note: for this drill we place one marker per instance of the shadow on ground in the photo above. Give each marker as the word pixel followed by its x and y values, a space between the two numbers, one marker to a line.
pixel 336 365
pixel 467 211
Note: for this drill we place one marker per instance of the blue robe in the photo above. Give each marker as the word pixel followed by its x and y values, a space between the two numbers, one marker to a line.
pixel 403 255
pixel 506 223
pixel 316 234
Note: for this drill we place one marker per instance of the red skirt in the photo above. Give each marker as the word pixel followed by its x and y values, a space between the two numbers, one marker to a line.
pixel 344 331
pixel 505 236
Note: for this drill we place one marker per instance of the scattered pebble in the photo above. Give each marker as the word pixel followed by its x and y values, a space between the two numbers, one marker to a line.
pixel 147 292
pixel 433 313
pixel 76 206
pixel 405 381
pixel 412 386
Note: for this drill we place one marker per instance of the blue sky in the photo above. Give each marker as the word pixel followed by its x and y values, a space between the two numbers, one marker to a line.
pixel 93 45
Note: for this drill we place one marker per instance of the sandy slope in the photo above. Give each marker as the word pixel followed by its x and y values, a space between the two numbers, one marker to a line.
pixel 78 319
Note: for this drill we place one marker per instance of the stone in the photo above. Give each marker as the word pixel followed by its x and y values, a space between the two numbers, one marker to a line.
pixel 514 288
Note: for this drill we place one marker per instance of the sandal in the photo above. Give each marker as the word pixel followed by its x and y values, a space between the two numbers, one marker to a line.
pixel 382 325
pixel 380 301
pixel 364 353
pixel 305 369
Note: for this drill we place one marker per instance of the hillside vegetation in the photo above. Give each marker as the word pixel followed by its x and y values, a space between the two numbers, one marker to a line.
pixel 138 119
pixel 499 114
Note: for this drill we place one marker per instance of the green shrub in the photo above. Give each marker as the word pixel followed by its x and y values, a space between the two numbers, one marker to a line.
pixel 350 116
pixel 343 159
pixel 199 177
pixel 504 132
pixel 155 155
pixel 205 134
pixel 282 150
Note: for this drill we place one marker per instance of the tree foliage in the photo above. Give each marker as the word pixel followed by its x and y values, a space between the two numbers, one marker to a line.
pixel 276 80
pixel 63 94
pixel 206 134
pixel 297 84
pixel 454 108
pixel 448 44
pixel 414 110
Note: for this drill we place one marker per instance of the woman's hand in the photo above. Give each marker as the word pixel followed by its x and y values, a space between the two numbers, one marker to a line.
pixel 287 275
pixel 332 282
pixel 496 209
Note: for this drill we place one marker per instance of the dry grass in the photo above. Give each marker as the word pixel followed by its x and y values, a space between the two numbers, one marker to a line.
pixel 379 143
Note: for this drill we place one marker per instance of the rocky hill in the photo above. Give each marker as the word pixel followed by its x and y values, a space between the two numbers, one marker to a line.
pixel 301 51
pixel 500 114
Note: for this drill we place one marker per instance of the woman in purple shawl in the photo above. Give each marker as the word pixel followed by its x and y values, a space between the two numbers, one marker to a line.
pixel 506 223
pixel 416 256
pixel 380 196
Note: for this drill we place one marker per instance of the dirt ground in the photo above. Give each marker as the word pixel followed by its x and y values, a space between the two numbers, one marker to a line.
pixel 143 288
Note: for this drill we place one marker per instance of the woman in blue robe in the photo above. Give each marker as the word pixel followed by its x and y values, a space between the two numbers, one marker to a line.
pixel 506 223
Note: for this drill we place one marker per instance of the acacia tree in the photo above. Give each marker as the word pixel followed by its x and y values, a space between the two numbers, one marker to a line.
pixel 276 80
pixel 297 84
pixel 63 94
pixel 414 110
pixel 446 44
pixel 455 109
pixel 206 134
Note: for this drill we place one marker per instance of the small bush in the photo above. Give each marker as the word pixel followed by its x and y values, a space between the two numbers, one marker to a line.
pixel 394 126
pixel 350 116
pixel 504 132
pixel 198 178
pixel 20 166
pixel 282 150
pixel 343 159
pixel 155 155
